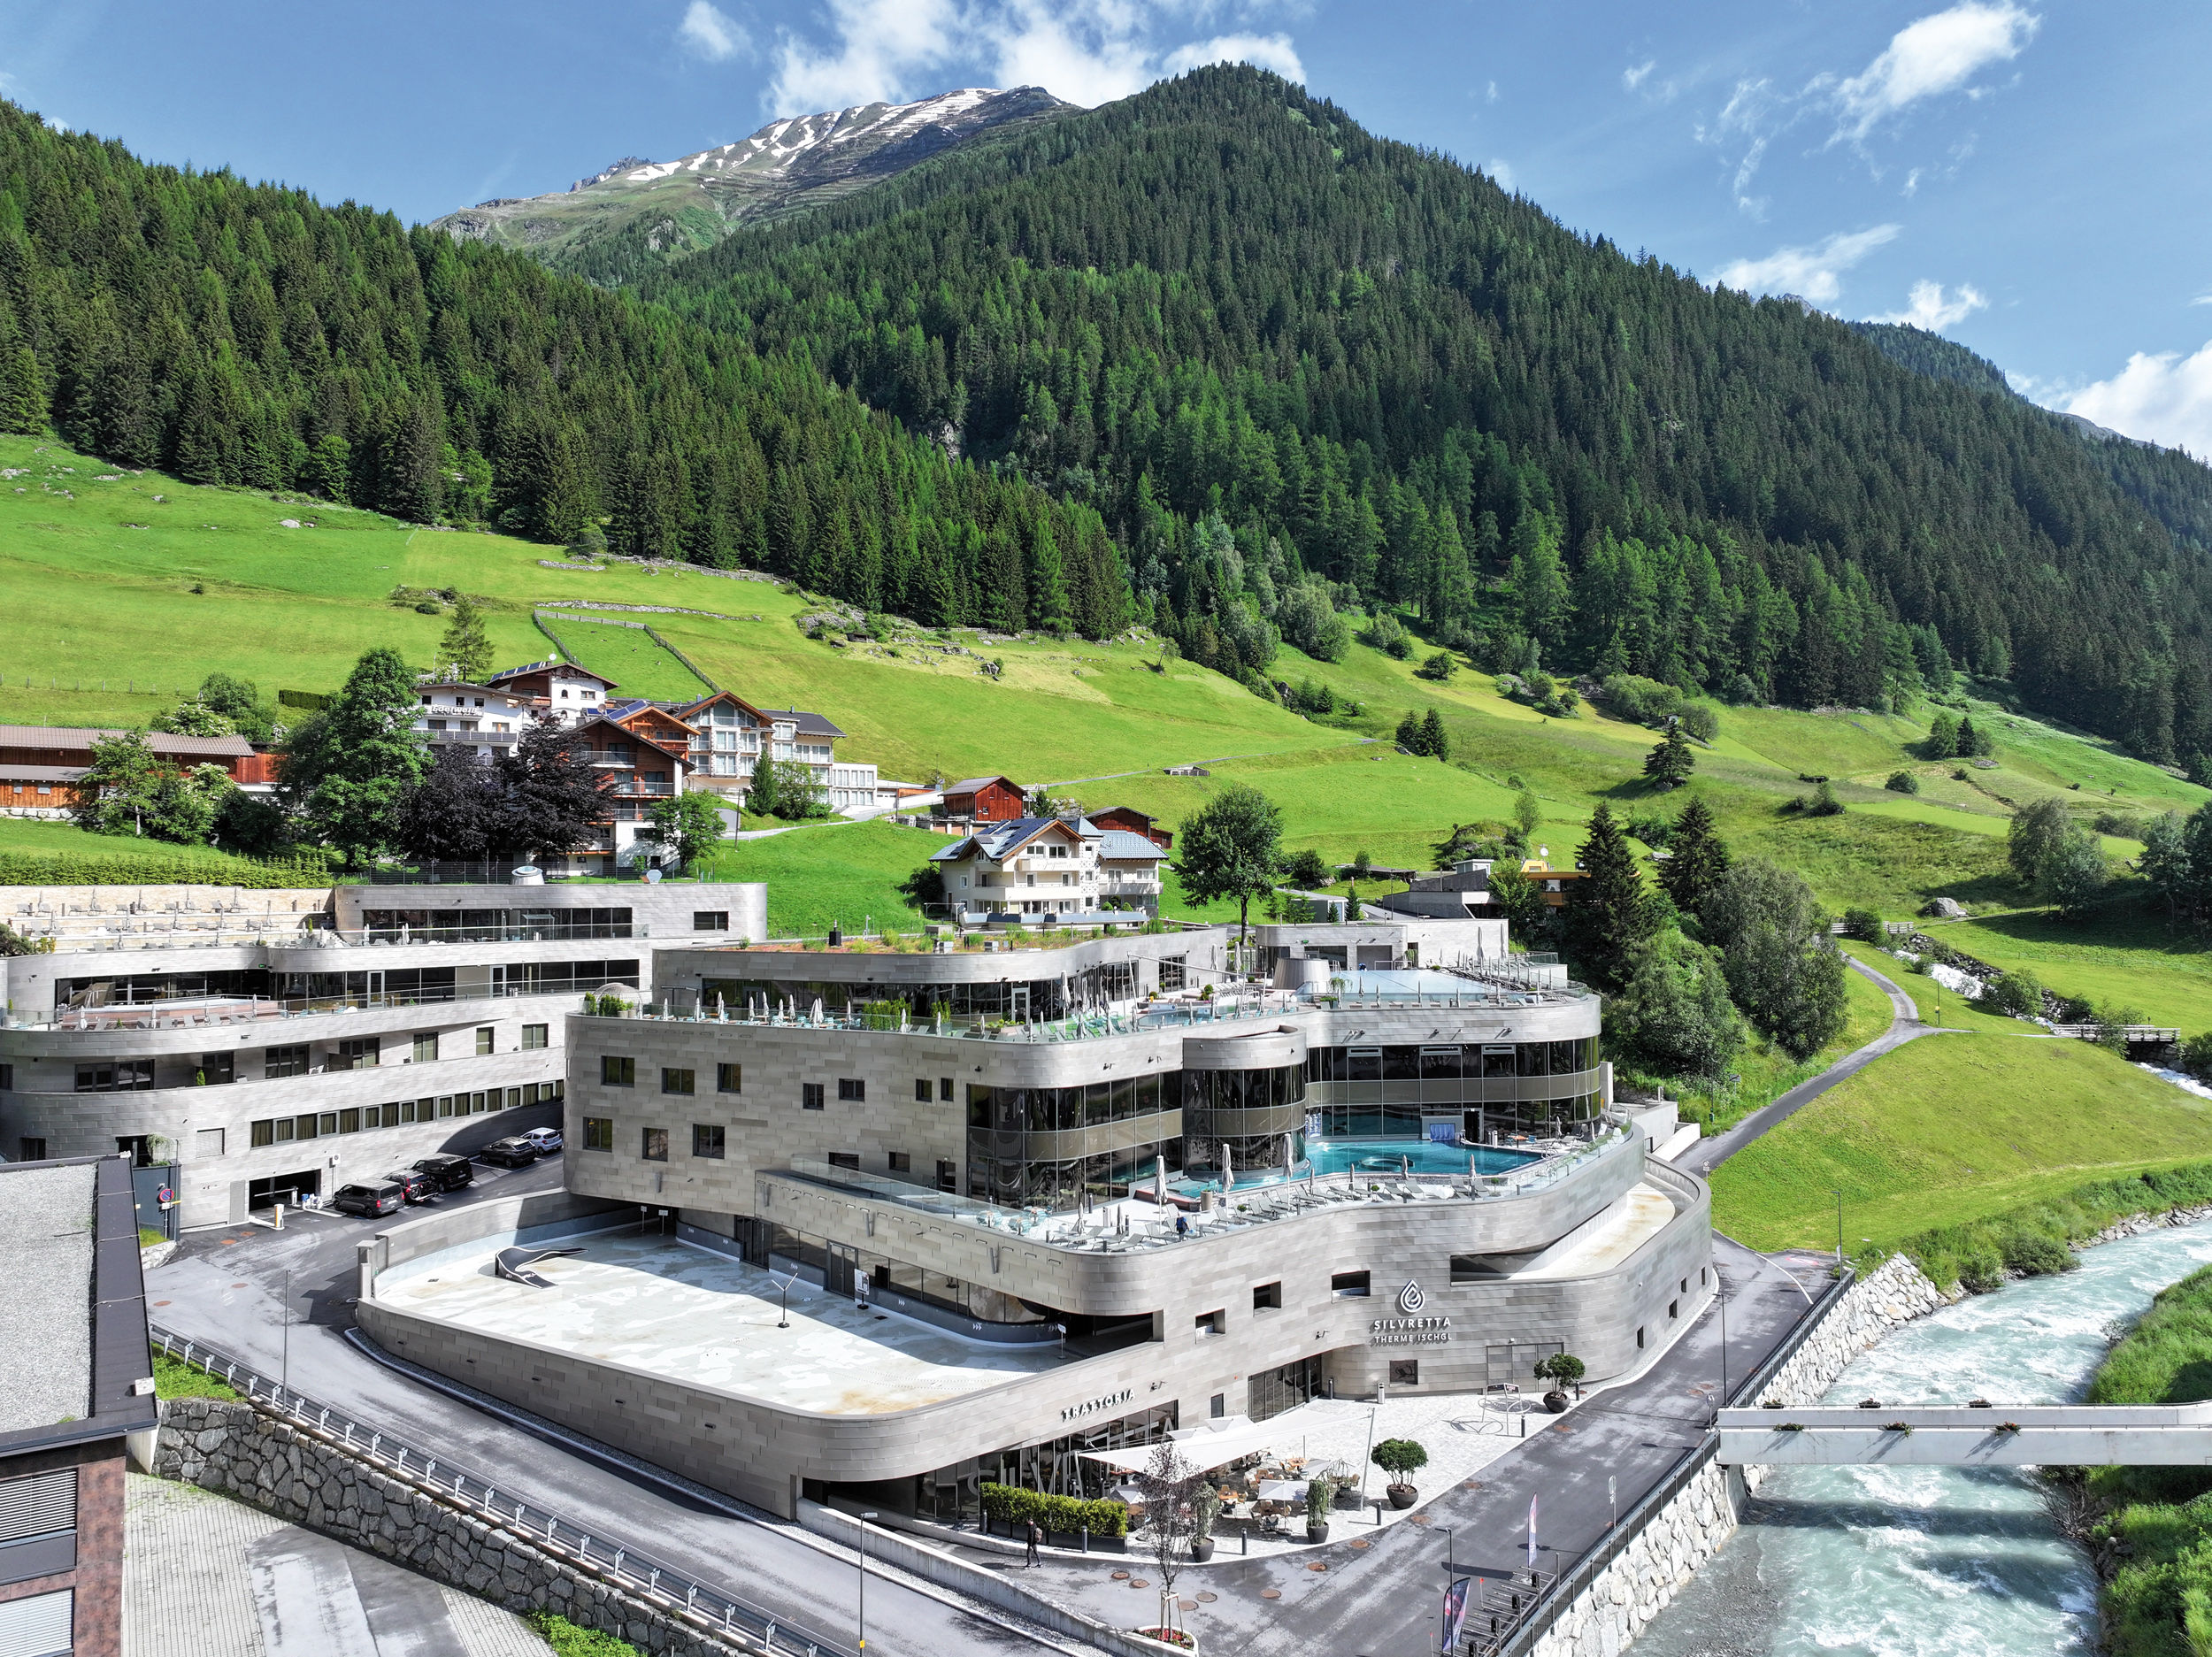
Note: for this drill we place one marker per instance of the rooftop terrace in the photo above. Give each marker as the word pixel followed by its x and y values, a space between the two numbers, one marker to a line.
pixel 654 1304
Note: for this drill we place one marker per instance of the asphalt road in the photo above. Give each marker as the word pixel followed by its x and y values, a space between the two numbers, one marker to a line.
pixel 1904 1025
pixel 234 1288
pixel 1384 1601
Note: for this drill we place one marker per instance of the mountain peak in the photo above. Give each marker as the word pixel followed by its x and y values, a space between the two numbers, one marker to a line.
pixel 792 162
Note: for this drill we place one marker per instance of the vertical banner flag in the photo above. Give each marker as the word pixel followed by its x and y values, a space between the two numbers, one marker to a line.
pixel 1531 1537
pixel 1455 1611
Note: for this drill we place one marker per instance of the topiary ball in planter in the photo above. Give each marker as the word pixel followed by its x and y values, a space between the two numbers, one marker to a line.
pixel 1402 1496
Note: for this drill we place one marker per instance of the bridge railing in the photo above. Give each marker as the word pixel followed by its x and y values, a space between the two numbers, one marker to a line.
pixel 657 1582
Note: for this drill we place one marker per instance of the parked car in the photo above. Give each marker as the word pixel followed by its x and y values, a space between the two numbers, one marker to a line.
pixel 547 1140
pixel 446 1172
pixel 371 1201
pixel 413 1183
pixel 512 1151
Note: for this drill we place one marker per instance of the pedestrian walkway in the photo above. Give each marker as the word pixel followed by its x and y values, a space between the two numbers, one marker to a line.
pixel 203 1573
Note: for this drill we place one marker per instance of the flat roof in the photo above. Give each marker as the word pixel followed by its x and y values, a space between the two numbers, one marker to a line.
pixel 655 1304
pixel 46 1237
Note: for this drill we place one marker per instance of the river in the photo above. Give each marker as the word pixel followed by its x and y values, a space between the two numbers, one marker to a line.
pixel 1932 1561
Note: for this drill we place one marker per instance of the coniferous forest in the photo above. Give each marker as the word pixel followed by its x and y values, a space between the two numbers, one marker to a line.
pixel 1212 359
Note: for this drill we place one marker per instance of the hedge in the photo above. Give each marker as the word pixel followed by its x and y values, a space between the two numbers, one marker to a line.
pixel 1013 1505
pixel 2036 1237
pixel 81 869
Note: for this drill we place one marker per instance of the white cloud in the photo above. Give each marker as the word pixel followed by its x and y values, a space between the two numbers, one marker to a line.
pixel 1811 273
pixel 2161 397
pixel 1937 53
pixel 1087 52
pixel 1263 51
pixel 1633 78
pixel 1928 308
pixel 711 35
pixel 1491 95
pixel 1500 171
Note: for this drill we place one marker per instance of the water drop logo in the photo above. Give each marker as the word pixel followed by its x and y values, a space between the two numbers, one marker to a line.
pixel 1411 1300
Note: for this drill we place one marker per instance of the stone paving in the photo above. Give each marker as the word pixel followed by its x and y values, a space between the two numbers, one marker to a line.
pixel 672 1309
pixel 203 1574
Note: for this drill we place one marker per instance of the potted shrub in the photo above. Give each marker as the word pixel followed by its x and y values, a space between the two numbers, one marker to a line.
pixel 1399 1457
pixel 1202 1539
pixel 1320 1492
pixel 1565 1369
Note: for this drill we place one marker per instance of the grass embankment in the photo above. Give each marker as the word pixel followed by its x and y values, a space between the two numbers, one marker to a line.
pixel 1952 1128
pixel 173 1377
pixel 639 664
pixel 2155 1543
pixel 1764 1071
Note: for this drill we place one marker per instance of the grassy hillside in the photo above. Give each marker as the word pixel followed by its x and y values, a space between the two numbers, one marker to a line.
pixel 1951 1128
pixel 120 580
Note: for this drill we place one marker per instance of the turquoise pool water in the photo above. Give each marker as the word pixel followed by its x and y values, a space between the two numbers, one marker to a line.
pixel 1388 1156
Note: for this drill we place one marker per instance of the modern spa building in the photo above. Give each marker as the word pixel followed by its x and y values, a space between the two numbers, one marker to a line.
pixel 273 1046
pixel 875 1226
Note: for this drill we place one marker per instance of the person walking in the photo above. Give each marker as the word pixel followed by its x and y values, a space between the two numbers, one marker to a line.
pixel 1035 1537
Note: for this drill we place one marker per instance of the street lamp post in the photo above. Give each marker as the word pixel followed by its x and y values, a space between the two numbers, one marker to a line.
pixel 1613 1514
pixel 1721 1278
pixel 866 1519
pixel 1838 1195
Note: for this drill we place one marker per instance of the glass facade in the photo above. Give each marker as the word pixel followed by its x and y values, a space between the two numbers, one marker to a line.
pixel 1009 998
pixel 1249 1112
pixel 1362 1091
pixel 1049 1146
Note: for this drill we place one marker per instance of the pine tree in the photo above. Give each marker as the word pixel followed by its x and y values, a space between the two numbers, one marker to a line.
pixel 465 652
pixel 1411 736
pixel 1434 743
pixel 351 767
pixel 1609 913
pixel 1698 858
pixel 1969 739
pixel 1943 738
pixel 1670 764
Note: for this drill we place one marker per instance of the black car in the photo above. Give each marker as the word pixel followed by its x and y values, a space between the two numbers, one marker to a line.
pixel 414 1185
pixel 514 1151
pixel 445 1172
pixel 371 1201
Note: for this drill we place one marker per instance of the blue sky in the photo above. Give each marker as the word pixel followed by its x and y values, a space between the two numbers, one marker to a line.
pixel 2028 176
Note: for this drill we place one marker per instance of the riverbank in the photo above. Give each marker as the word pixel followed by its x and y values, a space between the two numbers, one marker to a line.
pixel 1936 1561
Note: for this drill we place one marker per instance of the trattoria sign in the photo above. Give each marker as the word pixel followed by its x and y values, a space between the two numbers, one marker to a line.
pixel 1092 1406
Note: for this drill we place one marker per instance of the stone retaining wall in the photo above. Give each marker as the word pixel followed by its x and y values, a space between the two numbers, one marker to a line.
pixel 1657 1559
pixel 313 1480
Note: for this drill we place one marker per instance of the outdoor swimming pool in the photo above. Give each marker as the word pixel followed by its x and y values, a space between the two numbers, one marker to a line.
pixel 1388 1156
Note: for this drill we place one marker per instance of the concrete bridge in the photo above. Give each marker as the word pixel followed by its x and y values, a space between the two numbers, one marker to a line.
pixel 2061 1435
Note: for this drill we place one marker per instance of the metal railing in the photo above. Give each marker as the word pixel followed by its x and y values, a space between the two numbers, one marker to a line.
pixel 478 1496
pixel 210 1012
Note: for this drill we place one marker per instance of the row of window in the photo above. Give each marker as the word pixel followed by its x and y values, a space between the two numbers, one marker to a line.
pixel 356 1119
pixel 619 1070
pixel 710 1142
pixel 361 1053
pixel 1473 1061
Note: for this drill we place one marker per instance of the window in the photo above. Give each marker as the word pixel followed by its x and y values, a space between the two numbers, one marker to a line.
pixel 706 1141
pixel 729 1078
pixel 484 1042
pixel 674 1081
pixel 1218 1407
pixel 899 1162
pixel 348 1119
pixel 1268 1297
pixel 851 1090
pixel 361 1053
pixel 7 1078
pixel 944 1088
pixel 845 1159
pixel 810 1095
pixel 922 1095
pixel 445 1105
pixel 533 1036
pixel 207 1143
pixel 599 1133
pixel 426 1049
pixel 710 920
pixel 32 1150
pixel 656 1146
pixel 125 1076
pixel 617 1072
pixel 1405 1372
pixel 1211 1322
pixel 1349 1282
pixel 947 1174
